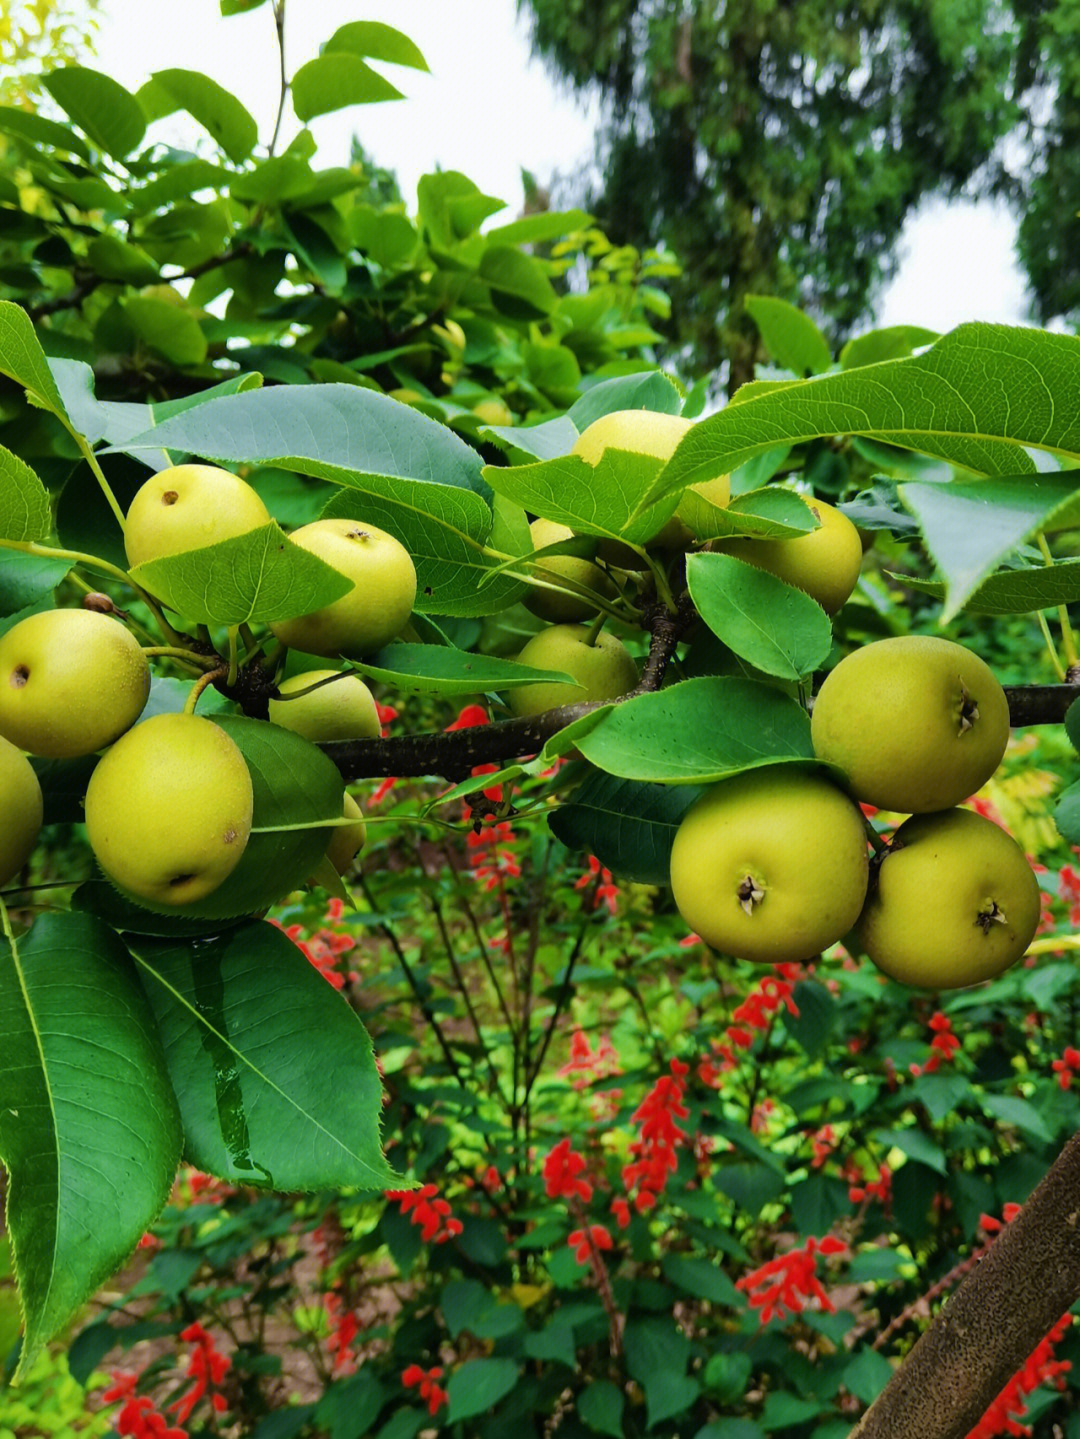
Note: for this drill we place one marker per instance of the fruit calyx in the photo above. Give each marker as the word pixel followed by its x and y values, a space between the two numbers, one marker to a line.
pixel 990 913
pixel 969 711
pixel 749 894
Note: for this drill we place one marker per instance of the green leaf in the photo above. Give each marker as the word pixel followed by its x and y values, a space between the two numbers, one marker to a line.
pixel 259 576
pixel 751 1185
pixel 539 229
pixel 812 1027
pixel 608 499
pixel 451 207
pixel 731 1429
pixel 239 7
pixel 35 130
pixel 791 337
pixel 348 1408
pixel 467 1304
pixel 1067 811
pixel 23 360
pixel 893 342
pixel 1015 592
pixel 915 1145
pixel 449 671
pixel 27 580
pixel 866 1374
pixel 656 1356
pixel 703 1278
pixel 772 625
pixel 649 391
pixel 218 110
pixel 629 826
pixel 333 81
pixel 783 1410
pixel 114 259
pixel 277 178
pixel 166 328
pixel 108 114
pixel 372 40
pixel 699 731
pixel 974 399
pixel 969 526
pixel 260 1105
pixel 600 1407
pixel 478 1385
pixel 1019 1114
pixel 25 513
pixel 771 514
pixel 519 283
pixel 89 1130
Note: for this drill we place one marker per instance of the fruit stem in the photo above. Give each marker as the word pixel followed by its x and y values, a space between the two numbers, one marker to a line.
pixel 615 612
pixel 99 475
pixel 234 656
pixel 594 629
pixel 877 844
pixel 198 687
pixel 663 589
pixel 173 652
pixel 1068 640
pixel 1059 668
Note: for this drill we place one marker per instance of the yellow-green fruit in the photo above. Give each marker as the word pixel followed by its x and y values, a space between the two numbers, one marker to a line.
pixel 563 608
pixel 20 810
pixel 340 710
pixel 348 839
pixel 189 507
pixel 493 412
pixel 770 865
pixel 916 723
pixel 955 902
pixel 643 432
pixel 71 682
pixel 374 610
pixel 168 809
pixel 825 562
pixel 604 670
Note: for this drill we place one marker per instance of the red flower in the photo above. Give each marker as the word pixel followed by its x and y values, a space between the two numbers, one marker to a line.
pixel 942 1047
pixel 654 1153
pixel 561 1170
pixel 607 891
pixel 206 1367
pixel 880 1189
pixel 414 1376
pixel 788 1281
pixel 469 718
pixel 1041 1368
pixel 432 1215
pixel 1067 1066
pixel 586 1243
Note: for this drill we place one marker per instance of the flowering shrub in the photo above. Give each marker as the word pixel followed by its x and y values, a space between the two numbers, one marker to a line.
pixel 651 1193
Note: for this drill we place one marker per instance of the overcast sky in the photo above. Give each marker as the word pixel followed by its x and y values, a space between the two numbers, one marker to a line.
pixel 489 110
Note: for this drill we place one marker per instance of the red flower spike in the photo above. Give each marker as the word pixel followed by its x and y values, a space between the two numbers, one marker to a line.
pixel 780 1288
pixel 1041 1367
pixel 414 1377
pixel 562 1169
pixel 431 1215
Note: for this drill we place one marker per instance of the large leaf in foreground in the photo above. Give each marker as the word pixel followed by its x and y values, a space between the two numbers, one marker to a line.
pixel 25 513
pixel 701 730
pixel 89 1129
pixel 274 1072
pixel 975 399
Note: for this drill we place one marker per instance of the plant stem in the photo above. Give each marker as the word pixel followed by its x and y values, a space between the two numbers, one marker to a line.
pixel 197 688
pixel 234 657
pixel 173 652
pixel 1059 668
pixel 279 26
pixel 1068 639
pixel 595 628
pixel 106 489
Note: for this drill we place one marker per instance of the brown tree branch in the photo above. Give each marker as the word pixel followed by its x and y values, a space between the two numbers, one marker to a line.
pixel 1028 1279
pixel 454 755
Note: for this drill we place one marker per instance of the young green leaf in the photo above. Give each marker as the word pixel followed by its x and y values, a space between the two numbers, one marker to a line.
pixel 790 336
pixel 25 513
pixel 772 625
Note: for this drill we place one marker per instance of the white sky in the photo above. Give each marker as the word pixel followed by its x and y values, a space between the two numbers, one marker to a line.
pixel 488 110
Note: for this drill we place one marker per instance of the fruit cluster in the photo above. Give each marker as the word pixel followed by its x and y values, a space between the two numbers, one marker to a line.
pixel 169 807
pixel 773 866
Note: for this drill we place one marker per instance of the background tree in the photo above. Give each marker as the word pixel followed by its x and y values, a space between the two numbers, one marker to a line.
pixel 1049 182
pixel 33 31
pixel 778 148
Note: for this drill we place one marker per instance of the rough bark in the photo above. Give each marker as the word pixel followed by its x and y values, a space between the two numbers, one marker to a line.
pixel 1028 1279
